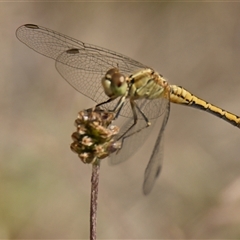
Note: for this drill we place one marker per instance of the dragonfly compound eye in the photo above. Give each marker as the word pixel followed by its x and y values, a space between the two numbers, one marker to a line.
pixel 111 72
pixel 114 83
pixel 118 80
pixel 118 84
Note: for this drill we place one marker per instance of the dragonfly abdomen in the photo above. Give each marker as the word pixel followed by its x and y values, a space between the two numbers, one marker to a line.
pixel 180 95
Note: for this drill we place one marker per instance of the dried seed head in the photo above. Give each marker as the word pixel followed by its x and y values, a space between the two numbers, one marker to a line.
pixel 94 138
pixel 87 141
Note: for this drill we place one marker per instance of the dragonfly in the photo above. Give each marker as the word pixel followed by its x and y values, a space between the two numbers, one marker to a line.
pixel 140 95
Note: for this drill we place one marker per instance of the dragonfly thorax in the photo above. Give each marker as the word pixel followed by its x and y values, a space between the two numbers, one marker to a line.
pixel 114 83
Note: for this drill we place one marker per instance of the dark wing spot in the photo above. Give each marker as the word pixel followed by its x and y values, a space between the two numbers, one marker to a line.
pixel 33 26
pixel 73 51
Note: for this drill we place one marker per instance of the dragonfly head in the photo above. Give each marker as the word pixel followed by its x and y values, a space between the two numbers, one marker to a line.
pixel 114 83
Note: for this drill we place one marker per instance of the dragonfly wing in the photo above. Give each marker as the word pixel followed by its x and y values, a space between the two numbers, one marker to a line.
pixel 84 72
pixel 51 44
pixel 133 143
pixel 83 65
pixel 45 41
pixel 155 163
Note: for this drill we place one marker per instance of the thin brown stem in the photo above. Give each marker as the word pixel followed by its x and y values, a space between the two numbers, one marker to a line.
pixel 94 196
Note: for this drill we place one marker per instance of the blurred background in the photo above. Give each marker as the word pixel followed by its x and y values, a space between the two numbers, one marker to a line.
pixel 45 188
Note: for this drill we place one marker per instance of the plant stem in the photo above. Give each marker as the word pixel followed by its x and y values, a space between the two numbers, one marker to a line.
pixel 94 196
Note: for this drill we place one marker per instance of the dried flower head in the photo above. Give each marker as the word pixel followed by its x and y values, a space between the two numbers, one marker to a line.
pixel 94 138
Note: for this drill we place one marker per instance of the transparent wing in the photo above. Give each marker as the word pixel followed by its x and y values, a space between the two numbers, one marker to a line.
pixel 133 143
pixel 51 44
pixel 154 166
pixel 83 65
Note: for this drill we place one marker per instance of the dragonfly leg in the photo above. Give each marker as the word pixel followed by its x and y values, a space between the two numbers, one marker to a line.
pixel 118 106
pixel 134 106
pixel 102 103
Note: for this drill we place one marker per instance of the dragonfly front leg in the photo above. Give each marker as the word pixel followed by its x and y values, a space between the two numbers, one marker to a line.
pixel 117 108
pixel 102 103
